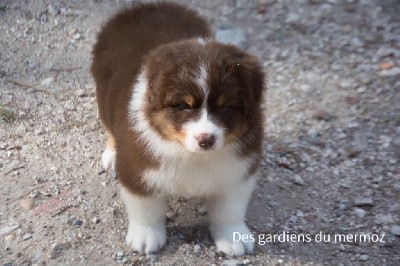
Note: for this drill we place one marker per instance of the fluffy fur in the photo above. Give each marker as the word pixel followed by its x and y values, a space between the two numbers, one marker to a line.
pixel 183 118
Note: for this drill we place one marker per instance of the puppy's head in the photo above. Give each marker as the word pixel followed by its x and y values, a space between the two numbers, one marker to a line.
pixel 202 95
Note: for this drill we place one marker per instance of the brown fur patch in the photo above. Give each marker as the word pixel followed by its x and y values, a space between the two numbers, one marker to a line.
pixel 117 58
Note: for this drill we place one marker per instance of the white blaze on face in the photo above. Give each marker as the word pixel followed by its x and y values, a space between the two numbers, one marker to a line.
pixel 203 134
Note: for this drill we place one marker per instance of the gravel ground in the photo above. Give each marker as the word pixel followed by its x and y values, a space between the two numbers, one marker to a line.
pixel 332 149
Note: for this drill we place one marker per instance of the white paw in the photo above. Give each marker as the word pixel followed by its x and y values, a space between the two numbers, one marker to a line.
pixel 146 238
pixel 108 159
pixel 223 238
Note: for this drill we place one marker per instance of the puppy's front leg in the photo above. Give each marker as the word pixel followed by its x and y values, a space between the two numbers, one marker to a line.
pixel 226 213
pixel 146 230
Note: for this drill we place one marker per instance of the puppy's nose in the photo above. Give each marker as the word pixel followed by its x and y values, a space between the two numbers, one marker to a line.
pixel 205 140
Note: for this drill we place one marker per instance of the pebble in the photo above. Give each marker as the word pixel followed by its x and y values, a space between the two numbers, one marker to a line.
pixel 230 35
pixel 202 210
pixel 8 229
pixel 384 219
pixel 363 202
pixel 313 133
pixel 95 220
pixel 57 249
pixel 9 238
pixel 47 81
pixel 292 18
pixel 347 28
pixel 231 263
pixel 390 72
pixel 26 237
pixel 53 10
pixel 247 262
pixel 72 32
pixel 298 180
pixel 212 254
pixel 279 261
pixel 197 249
pixel 27 204
pixel 152 258
pixel 78 223
pixel 293 219
pixel 80 93
pixel 360 212
pixel 171 215
pixel 364 258
pixel 77 36
pixel 395 230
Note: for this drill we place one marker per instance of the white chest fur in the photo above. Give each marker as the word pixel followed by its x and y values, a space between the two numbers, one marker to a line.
pixel 197 176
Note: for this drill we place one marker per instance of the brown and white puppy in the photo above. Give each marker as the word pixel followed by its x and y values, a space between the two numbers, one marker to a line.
pixel 183 118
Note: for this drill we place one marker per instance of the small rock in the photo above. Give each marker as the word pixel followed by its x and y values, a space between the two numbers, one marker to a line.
pixel 273 204
pixel 231 263
pixel 171 215
pixel 356 42
pixel 119 255
pixel 47 81
pixel 8 229
pixel 364 258
pixel 298 180
pixel 77 36
pixel 113 174
pixel 95 220
pixel 246 262
pixel 9 238
pixel 75 221
pixel 26 237
pixel 53 10
pixel 262 8
pixel 212 254
pixel 363 202
pixel 292 18
pixel 78 223
pixel 361 89
pixel 72 32
pixel 80 93
pixel 390 72
pixel 197 249
pixel 293 219
pixel 384 219
pixel 313 133
pixel 385 65
pixel 347 28
pixel 152 258
pixel 395 230
pixel 202 210
pixel 279 261
pixel 58 248
pixel 27 204
pixel 323 115
pixel 360 212
pixel 352 100
pixel 232 35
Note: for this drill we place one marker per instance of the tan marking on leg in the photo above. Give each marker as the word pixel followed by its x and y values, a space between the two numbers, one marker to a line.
pixel 110 143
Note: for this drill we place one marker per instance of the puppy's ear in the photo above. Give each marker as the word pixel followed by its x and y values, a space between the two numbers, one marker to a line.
pixel 159 64
pixel 251 77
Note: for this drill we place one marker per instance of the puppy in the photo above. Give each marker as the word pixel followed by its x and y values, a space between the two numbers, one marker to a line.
pixel 182 116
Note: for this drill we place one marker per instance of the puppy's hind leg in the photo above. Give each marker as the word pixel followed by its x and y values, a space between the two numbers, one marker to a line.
pixel 108 156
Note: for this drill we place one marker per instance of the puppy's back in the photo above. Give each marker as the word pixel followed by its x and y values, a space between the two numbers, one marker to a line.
pixel 125 39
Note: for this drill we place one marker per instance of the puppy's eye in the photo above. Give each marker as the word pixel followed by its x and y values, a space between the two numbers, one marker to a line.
pixel 227 108
pixel 181 106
